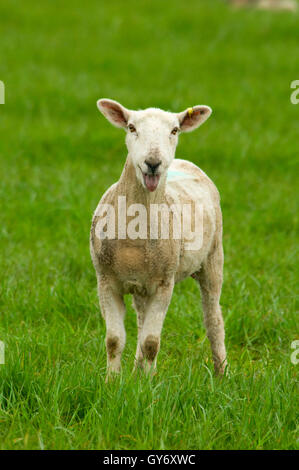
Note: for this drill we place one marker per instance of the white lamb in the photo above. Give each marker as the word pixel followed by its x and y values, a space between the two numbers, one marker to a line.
pixel 148 266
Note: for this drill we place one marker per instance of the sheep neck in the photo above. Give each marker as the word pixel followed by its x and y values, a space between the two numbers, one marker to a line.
pixel 135 193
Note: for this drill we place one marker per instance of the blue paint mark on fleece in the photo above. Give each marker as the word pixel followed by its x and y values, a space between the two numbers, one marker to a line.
pixel 174 175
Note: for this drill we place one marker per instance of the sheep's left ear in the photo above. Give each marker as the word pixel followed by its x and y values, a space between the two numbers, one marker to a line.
pixel 117 114
pixel 192 118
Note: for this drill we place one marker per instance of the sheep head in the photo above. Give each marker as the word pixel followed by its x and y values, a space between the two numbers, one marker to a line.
pixel 152 136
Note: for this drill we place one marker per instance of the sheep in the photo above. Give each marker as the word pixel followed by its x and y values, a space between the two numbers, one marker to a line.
pixel 278 5
pixel 148 267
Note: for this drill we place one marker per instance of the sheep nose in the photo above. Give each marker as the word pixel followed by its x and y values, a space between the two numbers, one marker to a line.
pixel 152 166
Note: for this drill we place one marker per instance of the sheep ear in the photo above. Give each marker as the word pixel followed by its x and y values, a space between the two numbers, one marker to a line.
pixel 114 112
pixel 192 118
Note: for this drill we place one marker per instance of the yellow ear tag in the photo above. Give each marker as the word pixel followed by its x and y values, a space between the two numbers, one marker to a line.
pixel 190 112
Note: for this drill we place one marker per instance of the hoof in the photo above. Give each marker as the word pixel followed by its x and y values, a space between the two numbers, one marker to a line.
pixel 111 376
pixel 221 369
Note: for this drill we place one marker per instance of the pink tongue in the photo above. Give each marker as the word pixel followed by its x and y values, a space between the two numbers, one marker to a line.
pixel 151 181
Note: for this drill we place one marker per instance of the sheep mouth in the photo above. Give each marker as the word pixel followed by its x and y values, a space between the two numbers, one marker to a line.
pixel 151 181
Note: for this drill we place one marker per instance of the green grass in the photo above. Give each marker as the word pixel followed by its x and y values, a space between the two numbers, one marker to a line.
pixel 58 156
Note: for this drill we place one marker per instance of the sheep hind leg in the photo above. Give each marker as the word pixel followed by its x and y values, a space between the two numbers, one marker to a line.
pixel 210 280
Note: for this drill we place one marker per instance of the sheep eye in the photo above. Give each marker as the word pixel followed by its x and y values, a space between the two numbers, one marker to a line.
pixel 131 128
pixel 174 130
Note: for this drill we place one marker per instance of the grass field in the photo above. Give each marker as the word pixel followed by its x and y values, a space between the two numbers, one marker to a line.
pixel 57 157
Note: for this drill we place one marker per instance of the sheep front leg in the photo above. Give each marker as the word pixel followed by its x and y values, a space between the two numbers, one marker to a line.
pixel 113 311
pixel 139 304
pixel 155 312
